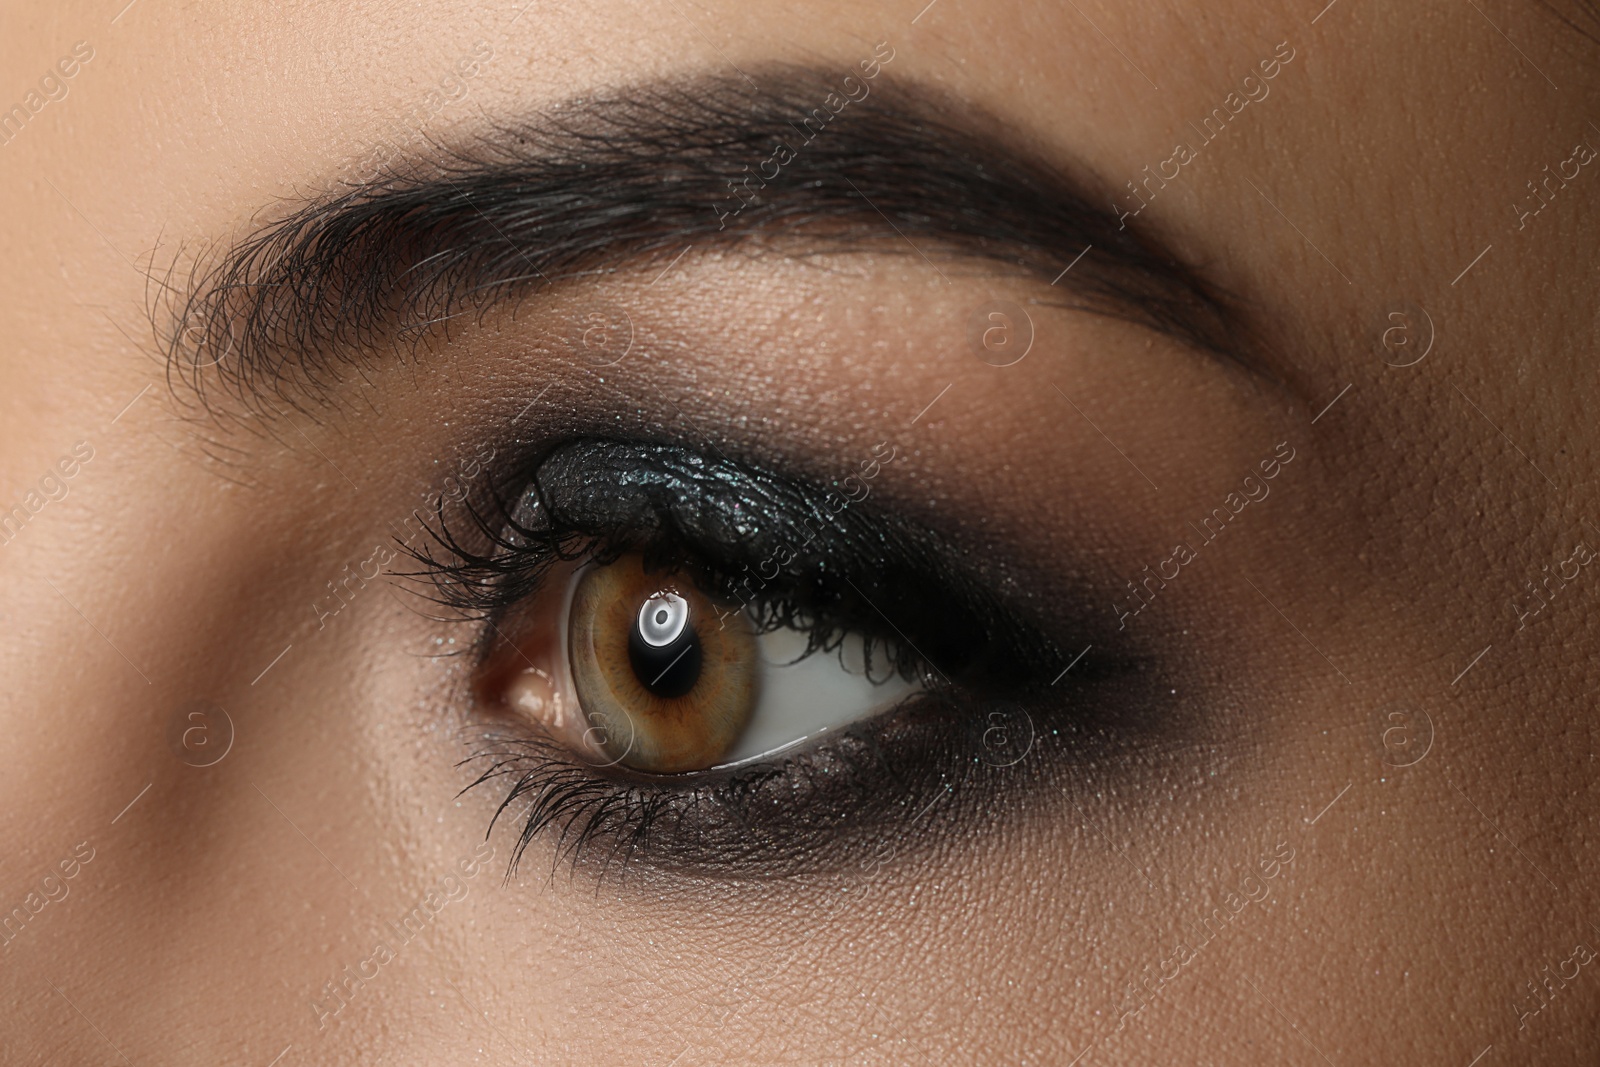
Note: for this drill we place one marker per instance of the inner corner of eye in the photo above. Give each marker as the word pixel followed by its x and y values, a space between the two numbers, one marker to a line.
pixel 625 666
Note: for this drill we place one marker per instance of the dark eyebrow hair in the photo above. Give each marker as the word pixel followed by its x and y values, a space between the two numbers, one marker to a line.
pixel 633 175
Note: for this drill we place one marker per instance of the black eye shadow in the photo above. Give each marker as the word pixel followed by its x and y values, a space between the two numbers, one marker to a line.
pixel 792 552
pixel 796 553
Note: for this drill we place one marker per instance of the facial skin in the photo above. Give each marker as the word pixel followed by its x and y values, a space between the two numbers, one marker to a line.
pixel 1362 747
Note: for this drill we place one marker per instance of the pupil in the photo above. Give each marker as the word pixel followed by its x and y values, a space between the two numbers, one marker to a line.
pixel 668 670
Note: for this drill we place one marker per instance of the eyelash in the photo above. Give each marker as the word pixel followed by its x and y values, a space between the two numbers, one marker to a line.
pixel 790 813
pixel 488 582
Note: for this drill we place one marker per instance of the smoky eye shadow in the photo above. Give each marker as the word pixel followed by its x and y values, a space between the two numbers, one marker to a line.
pixel 747 532
pixel 754 536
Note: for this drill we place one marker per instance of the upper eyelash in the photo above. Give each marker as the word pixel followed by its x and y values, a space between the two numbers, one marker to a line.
pixel 487 580
pixel 499 558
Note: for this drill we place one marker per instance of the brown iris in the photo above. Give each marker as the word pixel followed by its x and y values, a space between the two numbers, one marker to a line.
pixel 666 681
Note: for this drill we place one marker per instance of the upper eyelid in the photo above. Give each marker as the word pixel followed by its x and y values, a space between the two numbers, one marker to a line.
pixel 898 550
pixel 634 174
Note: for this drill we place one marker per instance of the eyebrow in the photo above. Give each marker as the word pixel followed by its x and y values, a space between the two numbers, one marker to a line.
pixel 810 160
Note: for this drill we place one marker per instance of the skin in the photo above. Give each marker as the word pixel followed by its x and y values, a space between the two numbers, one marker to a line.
pixel 1420 899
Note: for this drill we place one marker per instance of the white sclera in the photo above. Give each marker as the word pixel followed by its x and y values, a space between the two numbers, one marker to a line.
pixel 662 619
pixel 797 701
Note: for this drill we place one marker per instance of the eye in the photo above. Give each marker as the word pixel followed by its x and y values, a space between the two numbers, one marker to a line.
pixel 653 675
pixel 689 662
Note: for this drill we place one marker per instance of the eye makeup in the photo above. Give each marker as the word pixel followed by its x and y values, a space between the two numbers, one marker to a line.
pixel 776 552
pixel 727 525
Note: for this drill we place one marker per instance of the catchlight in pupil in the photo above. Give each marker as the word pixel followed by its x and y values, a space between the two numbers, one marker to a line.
pixel 663 618
pixel 664 648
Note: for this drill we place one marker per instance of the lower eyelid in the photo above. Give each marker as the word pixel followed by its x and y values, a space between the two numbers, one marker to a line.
pixel 826 807
pixel 943 767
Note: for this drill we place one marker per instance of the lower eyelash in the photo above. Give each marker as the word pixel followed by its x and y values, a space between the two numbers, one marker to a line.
pixel 827 806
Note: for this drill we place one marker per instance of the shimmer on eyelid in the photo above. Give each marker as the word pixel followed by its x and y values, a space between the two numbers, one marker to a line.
pixel 751 536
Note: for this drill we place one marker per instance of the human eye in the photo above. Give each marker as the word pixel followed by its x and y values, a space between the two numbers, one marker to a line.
pixel 650 673
pixel 698 663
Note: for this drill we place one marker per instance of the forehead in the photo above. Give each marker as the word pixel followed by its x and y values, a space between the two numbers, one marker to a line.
pixel 233 106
